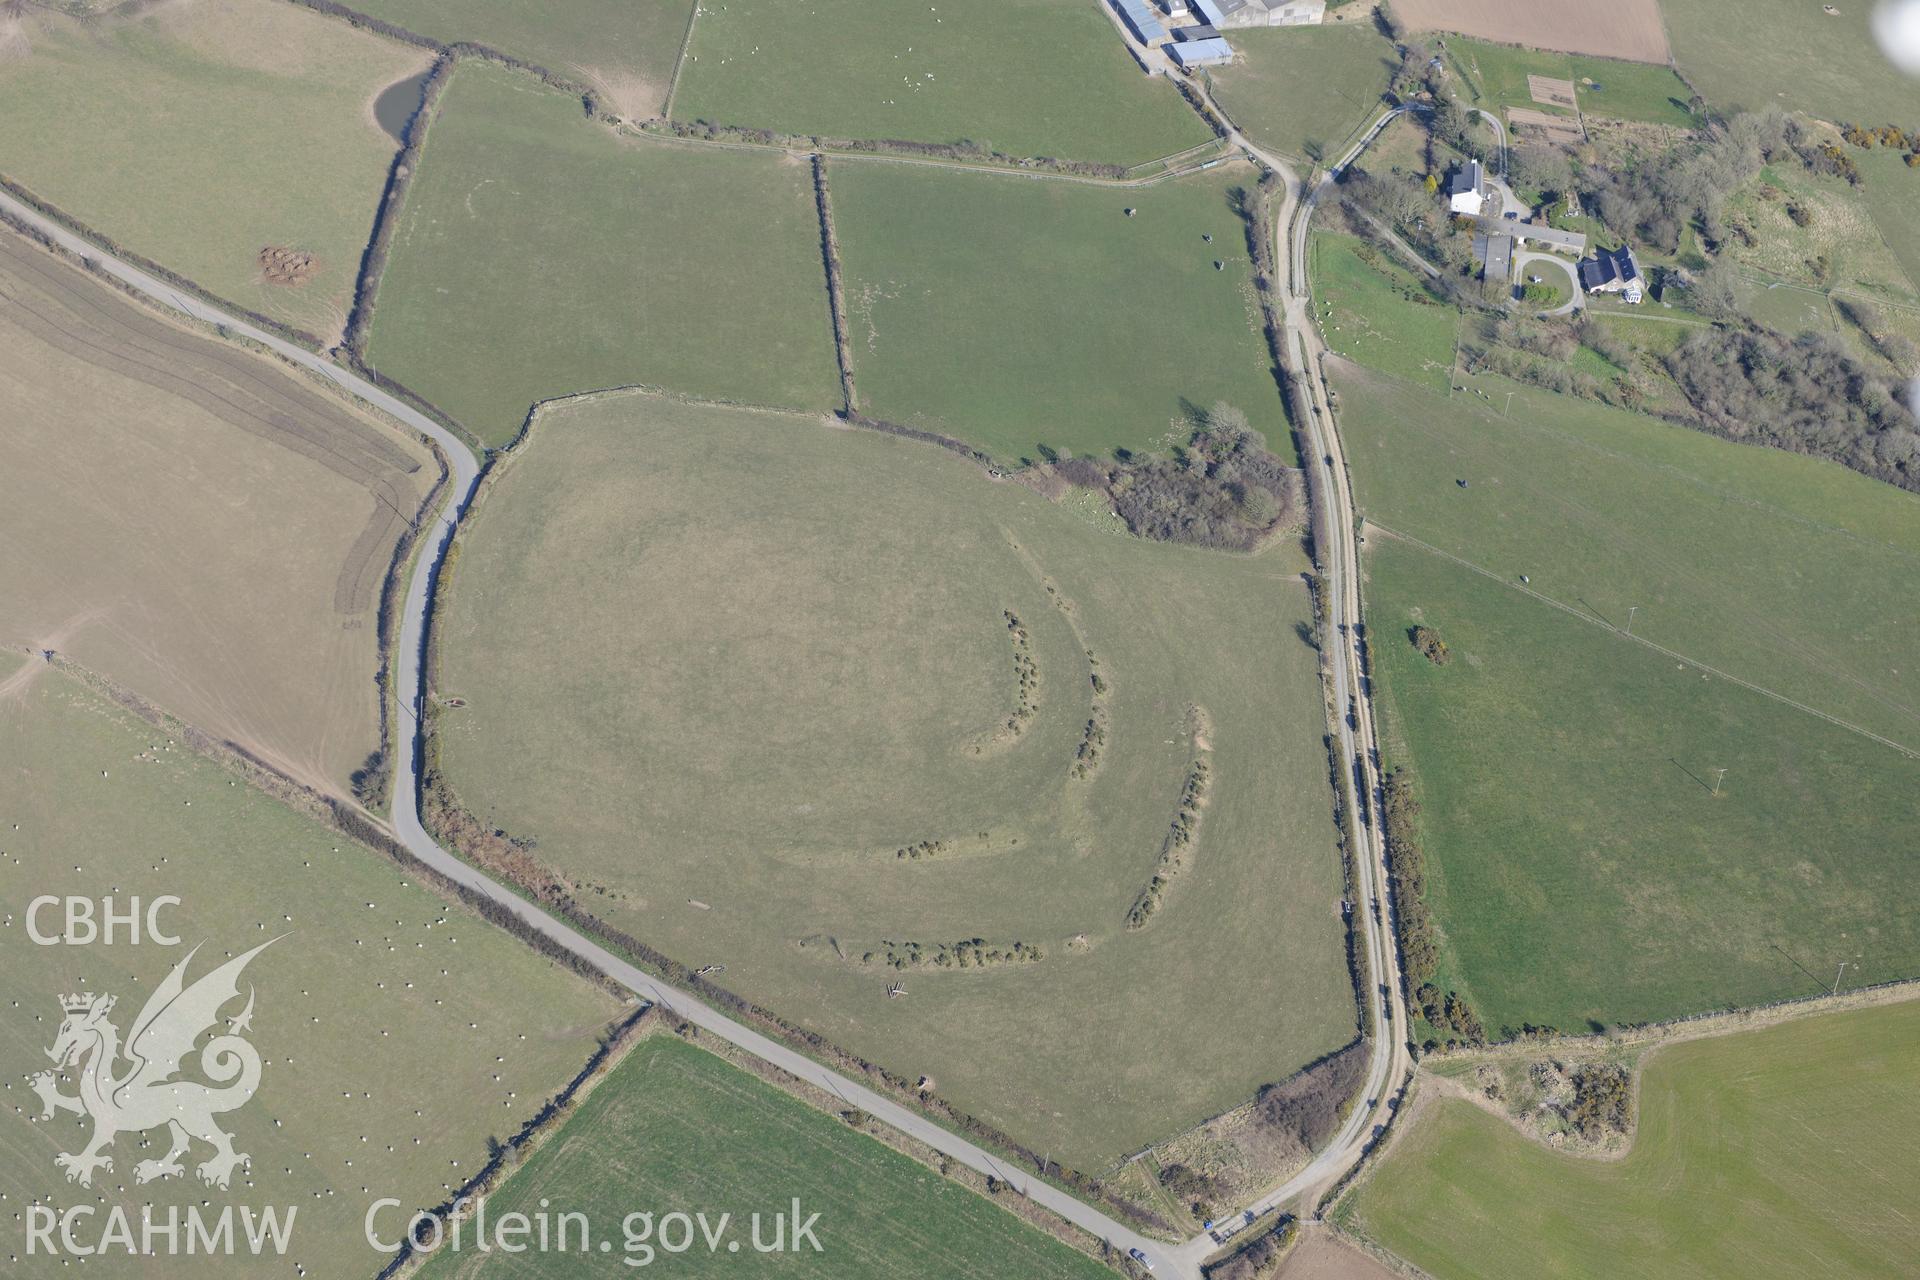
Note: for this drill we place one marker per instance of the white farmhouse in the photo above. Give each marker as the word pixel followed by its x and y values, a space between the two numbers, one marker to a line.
pixel 1467 192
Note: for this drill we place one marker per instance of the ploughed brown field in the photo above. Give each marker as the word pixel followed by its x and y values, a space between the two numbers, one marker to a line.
pixel 194 521
pixel 1325 1255
pixel 1619 29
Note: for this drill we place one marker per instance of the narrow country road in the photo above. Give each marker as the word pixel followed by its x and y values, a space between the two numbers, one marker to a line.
pixel 1392 1064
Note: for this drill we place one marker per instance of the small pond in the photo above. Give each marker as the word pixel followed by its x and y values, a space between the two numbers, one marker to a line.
pixel 398 104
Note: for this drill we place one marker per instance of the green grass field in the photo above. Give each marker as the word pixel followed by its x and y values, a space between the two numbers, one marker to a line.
pixel 626 50
pixel 1790 572
pixel 676 1129
pixel 1582 869
pixel 1401 147
pixel 1372 309
pixel 1762 1155
pixel 1789 308
pixel 1023 77
pixel 1892 196
pixel 1787 53
pixel 442 1029
pixel 540 255
pixel 729 665
pixel 1015 313
pixel 1302 91
pixel 1580 866
pixel 1605 87
pixel 197 136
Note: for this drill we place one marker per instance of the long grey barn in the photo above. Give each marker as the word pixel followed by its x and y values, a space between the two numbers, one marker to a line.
pixel 1270 13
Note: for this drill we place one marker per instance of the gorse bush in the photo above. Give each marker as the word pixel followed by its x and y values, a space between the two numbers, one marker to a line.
pixel 1222 489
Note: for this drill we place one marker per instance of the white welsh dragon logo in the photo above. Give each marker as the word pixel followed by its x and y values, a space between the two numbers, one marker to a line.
pixel 148 1094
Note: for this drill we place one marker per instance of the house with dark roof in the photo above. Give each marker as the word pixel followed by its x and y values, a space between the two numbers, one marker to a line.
pixel 1613 271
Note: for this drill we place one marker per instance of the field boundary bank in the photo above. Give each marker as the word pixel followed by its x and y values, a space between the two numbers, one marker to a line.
pixel 440 802
pixel 1709 1025
pixel 1814 653
pixel 1160 1148
pixel 679 62
pixel 1419 1098
pixel 938 155
pixel 281 789
pixel 386 218
pixel 372 778
pixel 836 287
pixel 505 1157
pixel 539 884
pixel 515 869
pixel 1675 654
